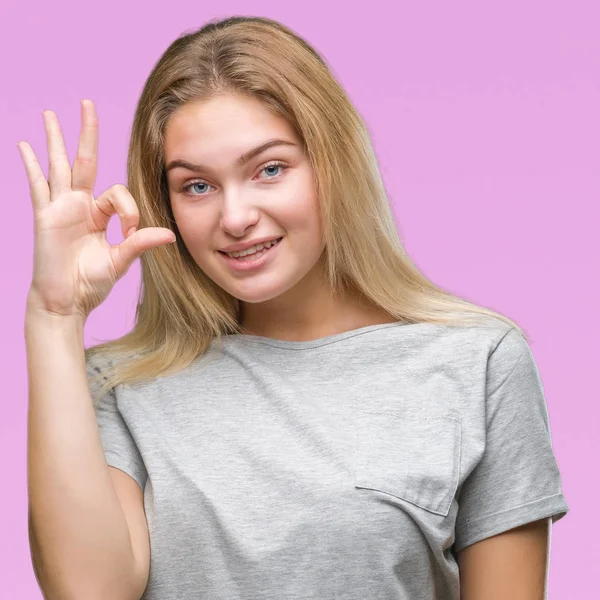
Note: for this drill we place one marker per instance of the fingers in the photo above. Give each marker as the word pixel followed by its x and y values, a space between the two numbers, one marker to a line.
pixel 117 199
pixel 86 162
pixel 59 169
pixel 38 186
pixel 136 244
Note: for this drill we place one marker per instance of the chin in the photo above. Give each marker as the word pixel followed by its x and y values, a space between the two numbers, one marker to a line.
pixel 256 293
pixel 259 288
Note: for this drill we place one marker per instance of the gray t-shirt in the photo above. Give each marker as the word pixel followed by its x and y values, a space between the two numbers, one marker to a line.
pixel 352 466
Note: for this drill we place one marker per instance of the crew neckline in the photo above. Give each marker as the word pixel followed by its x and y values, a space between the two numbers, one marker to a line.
pixel 301 345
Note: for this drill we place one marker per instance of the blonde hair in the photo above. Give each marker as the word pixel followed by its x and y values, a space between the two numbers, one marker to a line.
pixel 181 310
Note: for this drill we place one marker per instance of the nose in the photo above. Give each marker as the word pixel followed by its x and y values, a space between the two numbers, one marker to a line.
pixel 238 214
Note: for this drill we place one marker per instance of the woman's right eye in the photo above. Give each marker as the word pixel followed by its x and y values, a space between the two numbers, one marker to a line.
pixel 187 186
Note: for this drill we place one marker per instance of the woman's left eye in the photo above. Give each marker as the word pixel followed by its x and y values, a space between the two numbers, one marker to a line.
pixel 271 165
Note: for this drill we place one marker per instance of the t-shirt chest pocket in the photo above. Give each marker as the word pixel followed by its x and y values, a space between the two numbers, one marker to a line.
pixel 413 458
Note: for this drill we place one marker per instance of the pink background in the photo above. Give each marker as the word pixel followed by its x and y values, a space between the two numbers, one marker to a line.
pixel 485 120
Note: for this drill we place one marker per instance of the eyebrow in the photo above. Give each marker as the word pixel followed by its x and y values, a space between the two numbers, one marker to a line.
pixel 241 161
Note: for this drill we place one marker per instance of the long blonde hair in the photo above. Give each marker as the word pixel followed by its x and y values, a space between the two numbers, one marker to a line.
pixel 181 310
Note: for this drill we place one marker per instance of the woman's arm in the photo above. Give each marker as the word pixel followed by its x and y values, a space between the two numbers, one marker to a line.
pixel 509 566
pixel 80 536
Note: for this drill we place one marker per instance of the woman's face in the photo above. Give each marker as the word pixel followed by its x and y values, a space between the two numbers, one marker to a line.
pixel 229 202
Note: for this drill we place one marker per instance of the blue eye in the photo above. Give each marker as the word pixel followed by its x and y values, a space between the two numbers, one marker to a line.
pixel 185 188
pixel 271 165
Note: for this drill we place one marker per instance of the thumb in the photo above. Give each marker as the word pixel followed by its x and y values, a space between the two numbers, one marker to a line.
pixel 136 244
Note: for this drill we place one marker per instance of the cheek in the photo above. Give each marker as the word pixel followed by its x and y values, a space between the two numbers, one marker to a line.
pixel 300 215
pixel 194 227
pixel 309 223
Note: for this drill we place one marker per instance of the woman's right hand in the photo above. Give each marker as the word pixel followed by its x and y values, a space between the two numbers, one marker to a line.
pixel 75 267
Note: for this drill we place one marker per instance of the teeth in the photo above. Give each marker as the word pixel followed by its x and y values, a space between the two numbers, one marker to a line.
pixel 251 250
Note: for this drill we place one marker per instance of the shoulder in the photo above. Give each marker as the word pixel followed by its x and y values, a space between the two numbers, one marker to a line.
pixel 468 342
pixel 502 348
pixel 510 345
pixel 100 366
pixel 511 357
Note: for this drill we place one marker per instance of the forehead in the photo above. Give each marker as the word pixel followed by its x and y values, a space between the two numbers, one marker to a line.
pixel 230 121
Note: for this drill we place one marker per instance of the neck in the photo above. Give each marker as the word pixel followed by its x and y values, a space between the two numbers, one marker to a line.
pixel 309 311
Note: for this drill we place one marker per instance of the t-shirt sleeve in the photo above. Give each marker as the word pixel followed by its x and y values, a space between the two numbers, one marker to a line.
pixel 120 449
pixel 517 480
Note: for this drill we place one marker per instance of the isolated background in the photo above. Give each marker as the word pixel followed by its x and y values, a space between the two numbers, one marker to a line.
pixel 485 120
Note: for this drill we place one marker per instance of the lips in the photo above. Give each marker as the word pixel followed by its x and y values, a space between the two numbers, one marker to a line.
pixel 252 262
pixel 272 243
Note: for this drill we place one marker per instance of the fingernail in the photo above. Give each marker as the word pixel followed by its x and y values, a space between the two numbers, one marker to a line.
pixel 132 230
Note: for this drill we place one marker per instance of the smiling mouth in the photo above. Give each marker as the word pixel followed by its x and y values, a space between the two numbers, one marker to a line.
pixel 253 255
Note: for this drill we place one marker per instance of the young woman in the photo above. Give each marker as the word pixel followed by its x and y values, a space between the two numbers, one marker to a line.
pixel 298 411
